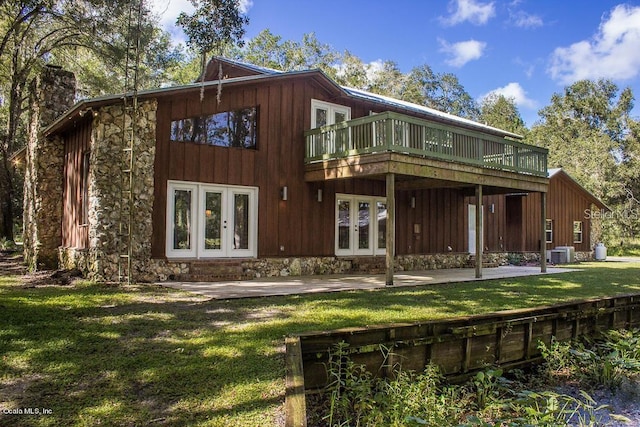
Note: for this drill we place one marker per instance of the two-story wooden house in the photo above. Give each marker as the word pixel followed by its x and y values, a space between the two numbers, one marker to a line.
pixel 266 173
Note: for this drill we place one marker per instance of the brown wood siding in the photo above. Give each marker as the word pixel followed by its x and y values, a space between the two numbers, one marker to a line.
pixel 433 225
pixel 566 204
pixel 300 226
pixel 515 224
pixel 76 143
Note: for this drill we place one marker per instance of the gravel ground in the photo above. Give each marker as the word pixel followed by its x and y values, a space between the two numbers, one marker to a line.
pixel 624 401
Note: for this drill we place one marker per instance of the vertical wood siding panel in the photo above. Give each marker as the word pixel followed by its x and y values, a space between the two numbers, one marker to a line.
pixel 275 182
pixel 260 171
pixel 162 165
pixel 177 150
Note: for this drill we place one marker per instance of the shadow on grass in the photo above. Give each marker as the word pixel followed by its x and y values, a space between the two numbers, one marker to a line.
pixel 98 354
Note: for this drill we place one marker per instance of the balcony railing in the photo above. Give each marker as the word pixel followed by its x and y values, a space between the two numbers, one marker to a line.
pixel 397 133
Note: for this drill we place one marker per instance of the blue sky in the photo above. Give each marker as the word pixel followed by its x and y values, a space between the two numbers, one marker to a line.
pixel 525 49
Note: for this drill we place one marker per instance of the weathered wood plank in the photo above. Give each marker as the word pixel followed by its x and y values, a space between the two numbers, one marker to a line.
pixel 295 402
pixel 467 343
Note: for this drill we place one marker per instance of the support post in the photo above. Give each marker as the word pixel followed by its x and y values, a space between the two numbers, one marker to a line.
pixel 391 226
pixel 543 239
pixel 479 231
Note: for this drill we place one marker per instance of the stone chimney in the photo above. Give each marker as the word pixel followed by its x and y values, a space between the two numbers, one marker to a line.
pixel 51 94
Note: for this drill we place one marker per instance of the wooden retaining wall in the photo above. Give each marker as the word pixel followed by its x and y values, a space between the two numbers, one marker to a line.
pixel 459 346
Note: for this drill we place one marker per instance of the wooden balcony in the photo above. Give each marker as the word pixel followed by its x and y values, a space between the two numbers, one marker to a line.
pixel 420 142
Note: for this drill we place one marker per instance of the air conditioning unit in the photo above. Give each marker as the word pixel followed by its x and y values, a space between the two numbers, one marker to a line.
pixel 558 256
pixel 571 253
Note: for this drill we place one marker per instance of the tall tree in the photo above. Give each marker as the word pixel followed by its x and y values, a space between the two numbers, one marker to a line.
pixel 269 50
pixel 34 32
pixel 441 91
pixel 585 128
pixel 352 72
pixel 501 112
pixel 387 80
pixel 213 25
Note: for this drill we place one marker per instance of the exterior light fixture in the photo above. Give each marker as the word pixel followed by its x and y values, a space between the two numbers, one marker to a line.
pixel 319 194
pixel 284 193
pixel 413 202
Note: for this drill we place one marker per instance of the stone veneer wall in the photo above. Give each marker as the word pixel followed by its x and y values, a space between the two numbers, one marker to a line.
pixel 163 270
pixel 52 93
pixel 108 159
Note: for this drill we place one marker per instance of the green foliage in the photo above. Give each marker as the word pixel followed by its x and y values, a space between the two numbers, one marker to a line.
pixel 213 24
pixel 413 399
pixel 557 356
pixel 270 51
pixel 501 112
pixel 489 385
pixel 354 398
pixel 7 245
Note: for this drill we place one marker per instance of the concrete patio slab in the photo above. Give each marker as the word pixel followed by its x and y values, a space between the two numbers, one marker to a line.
pixel 334 283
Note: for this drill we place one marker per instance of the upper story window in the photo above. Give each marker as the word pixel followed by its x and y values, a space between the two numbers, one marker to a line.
pixel 235 128
pixel 326 113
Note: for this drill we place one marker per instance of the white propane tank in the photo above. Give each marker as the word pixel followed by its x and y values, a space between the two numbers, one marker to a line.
pixel 601 252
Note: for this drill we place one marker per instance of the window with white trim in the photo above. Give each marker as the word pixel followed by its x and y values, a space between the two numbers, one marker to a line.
pixel 325 113
pixel 548 230
pixel 211 221
pixel 577 231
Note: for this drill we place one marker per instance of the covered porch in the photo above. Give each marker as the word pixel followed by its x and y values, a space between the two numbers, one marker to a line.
pixel 410 154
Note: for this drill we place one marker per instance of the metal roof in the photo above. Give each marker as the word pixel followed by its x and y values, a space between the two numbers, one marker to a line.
pixel 267 73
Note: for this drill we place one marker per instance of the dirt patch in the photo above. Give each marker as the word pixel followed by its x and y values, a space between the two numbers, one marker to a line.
pixel 11 264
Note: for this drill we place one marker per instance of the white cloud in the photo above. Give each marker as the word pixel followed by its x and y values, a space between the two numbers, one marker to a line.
pixel 373 68
pixel 469 10
pixel 462 52
pixel 516 92
pixel 525 20
pixel 168 10
pixel 613 52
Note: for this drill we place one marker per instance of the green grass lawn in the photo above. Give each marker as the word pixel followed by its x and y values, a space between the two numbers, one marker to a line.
pixel 139 355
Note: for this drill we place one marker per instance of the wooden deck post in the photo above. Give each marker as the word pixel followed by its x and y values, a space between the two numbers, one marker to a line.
pixel 543 239
pixel 479 231
pixel 391 225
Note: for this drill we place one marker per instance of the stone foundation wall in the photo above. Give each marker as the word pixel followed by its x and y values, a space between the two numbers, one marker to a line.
pixel 585 256
pixel 72 258
pixel 154 270
pixel 430 261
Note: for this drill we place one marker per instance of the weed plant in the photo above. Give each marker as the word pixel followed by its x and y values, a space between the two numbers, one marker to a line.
pixel 354 397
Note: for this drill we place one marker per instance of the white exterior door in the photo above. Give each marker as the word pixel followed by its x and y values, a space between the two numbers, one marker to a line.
pixel 210 221
pixel 360 225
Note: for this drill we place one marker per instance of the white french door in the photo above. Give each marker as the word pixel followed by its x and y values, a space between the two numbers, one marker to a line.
pixel 211 221
pixel 361 223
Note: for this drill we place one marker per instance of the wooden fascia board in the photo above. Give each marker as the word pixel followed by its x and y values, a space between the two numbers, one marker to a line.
pixel 402 165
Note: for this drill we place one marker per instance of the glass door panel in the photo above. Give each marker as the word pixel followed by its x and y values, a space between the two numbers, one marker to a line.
pixel 363 229
pixel 213 221
pixel 182 220
pixel 381 218
pixel 240 221
pixel 344 225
